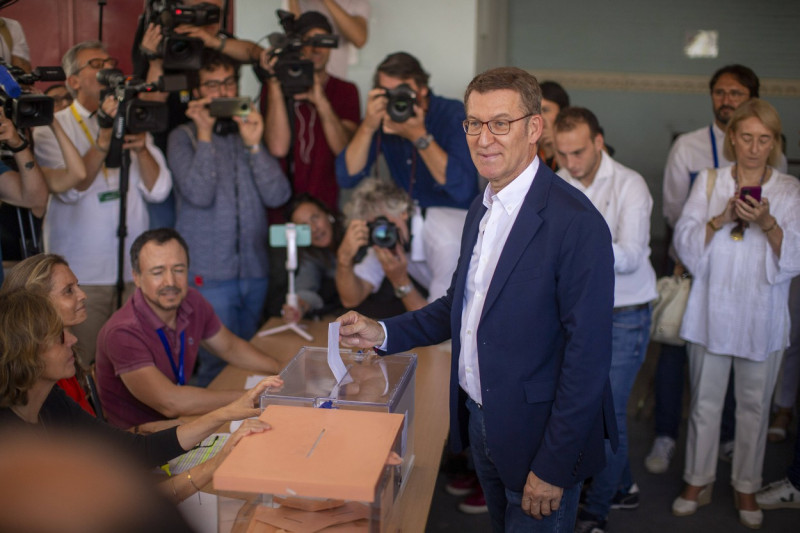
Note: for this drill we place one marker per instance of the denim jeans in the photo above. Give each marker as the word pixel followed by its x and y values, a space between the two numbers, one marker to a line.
pixel 630 335
pixel 505 505
pixel 238 304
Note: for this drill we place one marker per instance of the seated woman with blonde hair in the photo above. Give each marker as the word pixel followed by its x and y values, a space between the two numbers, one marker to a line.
pixel 36 352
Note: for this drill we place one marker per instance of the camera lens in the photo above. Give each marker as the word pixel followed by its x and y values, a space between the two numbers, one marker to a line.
pixel 384 234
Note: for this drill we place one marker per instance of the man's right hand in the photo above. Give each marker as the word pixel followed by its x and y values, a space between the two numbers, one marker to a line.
pixel 376 108
pixel 355 237
pixel 358 331
pixel 198 112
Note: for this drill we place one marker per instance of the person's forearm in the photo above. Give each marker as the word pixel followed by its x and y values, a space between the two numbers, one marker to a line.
pixel 435 158
pixel 774 235
pixel 93 161
pixel 74 172
pixel 33 187
pixel 352 289
pixel 357 151
pixel 246 356
pixel 188 400
pixel 191 433
pixel 242 50
pixel 180 486
pixel 277 131
pixel 414 300
pixel 353 27
pixel 149 169
pixel 337 134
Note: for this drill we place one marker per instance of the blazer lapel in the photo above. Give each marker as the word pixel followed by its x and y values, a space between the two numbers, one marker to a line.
pixel 522 232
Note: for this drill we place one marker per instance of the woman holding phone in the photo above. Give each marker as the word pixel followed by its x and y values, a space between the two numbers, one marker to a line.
pixel 739 235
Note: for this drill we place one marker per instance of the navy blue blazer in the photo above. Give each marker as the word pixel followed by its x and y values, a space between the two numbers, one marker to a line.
pixel 544 338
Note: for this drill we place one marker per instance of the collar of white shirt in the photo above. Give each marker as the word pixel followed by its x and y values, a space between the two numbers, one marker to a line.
pixel 513 194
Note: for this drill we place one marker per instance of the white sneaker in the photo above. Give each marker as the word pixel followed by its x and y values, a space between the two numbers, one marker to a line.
pixel 657 462
pixel 779 494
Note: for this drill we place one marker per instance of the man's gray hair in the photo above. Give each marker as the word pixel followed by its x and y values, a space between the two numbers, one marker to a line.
pixel 70 60
pixel 374 197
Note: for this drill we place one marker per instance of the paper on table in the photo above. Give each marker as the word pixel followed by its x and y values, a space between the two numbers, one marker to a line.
pixel 334 357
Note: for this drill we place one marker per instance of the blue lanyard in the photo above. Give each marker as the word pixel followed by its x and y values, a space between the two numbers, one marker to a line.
pixel 178 370
pixel 713 145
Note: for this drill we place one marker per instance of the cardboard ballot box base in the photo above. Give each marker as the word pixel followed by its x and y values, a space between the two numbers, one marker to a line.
pixel 315 453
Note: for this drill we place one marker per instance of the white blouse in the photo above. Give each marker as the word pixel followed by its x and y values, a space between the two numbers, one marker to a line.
pixel 738 304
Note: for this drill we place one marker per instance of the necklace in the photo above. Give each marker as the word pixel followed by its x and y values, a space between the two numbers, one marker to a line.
pixel 737 233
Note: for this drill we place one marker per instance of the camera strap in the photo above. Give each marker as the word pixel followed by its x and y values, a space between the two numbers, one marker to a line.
pixel 85 128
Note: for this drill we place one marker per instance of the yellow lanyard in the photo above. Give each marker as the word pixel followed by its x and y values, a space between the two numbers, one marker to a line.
pixel 86 131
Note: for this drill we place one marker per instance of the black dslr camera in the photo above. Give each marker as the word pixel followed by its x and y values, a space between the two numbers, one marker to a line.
pixel 23 109
pixel 295 73
pixel 400 106
pixel 180 52
pixel 381 232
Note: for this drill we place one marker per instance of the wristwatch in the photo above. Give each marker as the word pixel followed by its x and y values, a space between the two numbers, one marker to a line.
pixel 222 38
pixel 403 290
pixel 423 142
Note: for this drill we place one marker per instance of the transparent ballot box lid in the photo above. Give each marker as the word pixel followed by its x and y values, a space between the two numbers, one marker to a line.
pixel 372 382
pixel 316 468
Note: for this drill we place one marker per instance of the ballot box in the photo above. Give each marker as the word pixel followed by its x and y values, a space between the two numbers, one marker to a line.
pixel 314 470
pixel 371 383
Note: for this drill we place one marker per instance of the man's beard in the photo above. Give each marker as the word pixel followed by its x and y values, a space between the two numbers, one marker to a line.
pixel 721 118
pixel 166 307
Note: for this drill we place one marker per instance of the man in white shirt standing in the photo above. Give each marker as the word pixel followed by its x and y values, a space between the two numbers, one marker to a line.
pixel 81 223
pixel 622 197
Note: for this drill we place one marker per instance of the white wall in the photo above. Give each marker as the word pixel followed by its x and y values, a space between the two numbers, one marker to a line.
pixel 440 33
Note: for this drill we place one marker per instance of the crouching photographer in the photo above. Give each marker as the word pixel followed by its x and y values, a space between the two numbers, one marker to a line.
pixel 224 182
pixel 382 245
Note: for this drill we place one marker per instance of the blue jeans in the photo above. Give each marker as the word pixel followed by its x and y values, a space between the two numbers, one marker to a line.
pixel 238 304
pixel 630 335
pixel 505 505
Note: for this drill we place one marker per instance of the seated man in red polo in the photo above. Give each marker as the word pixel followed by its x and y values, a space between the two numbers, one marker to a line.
pixel 147 350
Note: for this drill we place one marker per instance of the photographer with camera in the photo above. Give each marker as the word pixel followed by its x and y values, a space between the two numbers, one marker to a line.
pixel 421 137
pixel 224 182
pixel 82 221
pixel 324 117
pixel 379 244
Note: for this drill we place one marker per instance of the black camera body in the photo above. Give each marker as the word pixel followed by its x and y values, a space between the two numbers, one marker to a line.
pixel 380 232
pixel 295 73
pixel 180 52
pixel 23 109
pixel 400 106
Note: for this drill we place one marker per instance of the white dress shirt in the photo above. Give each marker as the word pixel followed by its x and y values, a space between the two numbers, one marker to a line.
pixel 501 213
pixel 82 225
pixel 622 197
pixel 740 291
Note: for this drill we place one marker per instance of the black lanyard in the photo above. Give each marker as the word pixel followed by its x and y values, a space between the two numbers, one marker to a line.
pixel 178 369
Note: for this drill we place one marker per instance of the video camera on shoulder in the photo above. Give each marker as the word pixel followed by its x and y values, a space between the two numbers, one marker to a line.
pixel 180 52
pixel 27 110
pixel 400 106
pixel 295 73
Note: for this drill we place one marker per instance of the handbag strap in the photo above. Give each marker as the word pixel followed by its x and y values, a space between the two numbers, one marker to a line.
pixel 712 178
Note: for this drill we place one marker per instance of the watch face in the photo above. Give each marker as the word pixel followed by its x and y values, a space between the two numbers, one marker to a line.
pixel 423 142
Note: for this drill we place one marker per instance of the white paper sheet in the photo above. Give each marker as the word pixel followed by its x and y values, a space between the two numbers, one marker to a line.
pixel 334 357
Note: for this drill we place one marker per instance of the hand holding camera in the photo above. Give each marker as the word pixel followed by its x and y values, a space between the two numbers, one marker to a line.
pixel 355 238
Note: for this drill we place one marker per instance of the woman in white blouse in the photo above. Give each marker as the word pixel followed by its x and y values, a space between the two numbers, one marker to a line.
pixel 743 252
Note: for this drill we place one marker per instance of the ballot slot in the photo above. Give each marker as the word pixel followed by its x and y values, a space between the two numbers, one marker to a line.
pixel 372 383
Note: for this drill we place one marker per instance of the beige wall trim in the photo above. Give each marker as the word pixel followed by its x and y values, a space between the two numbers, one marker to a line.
pixel 656 83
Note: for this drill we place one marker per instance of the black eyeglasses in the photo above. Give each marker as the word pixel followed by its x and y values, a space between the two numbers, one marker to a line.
pixel 100 62
pixel 215 85
pixel 496 127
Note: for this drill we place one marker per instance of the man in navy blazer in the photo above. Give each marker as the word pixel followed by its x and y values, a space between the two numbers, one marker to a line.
pixel 529 311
